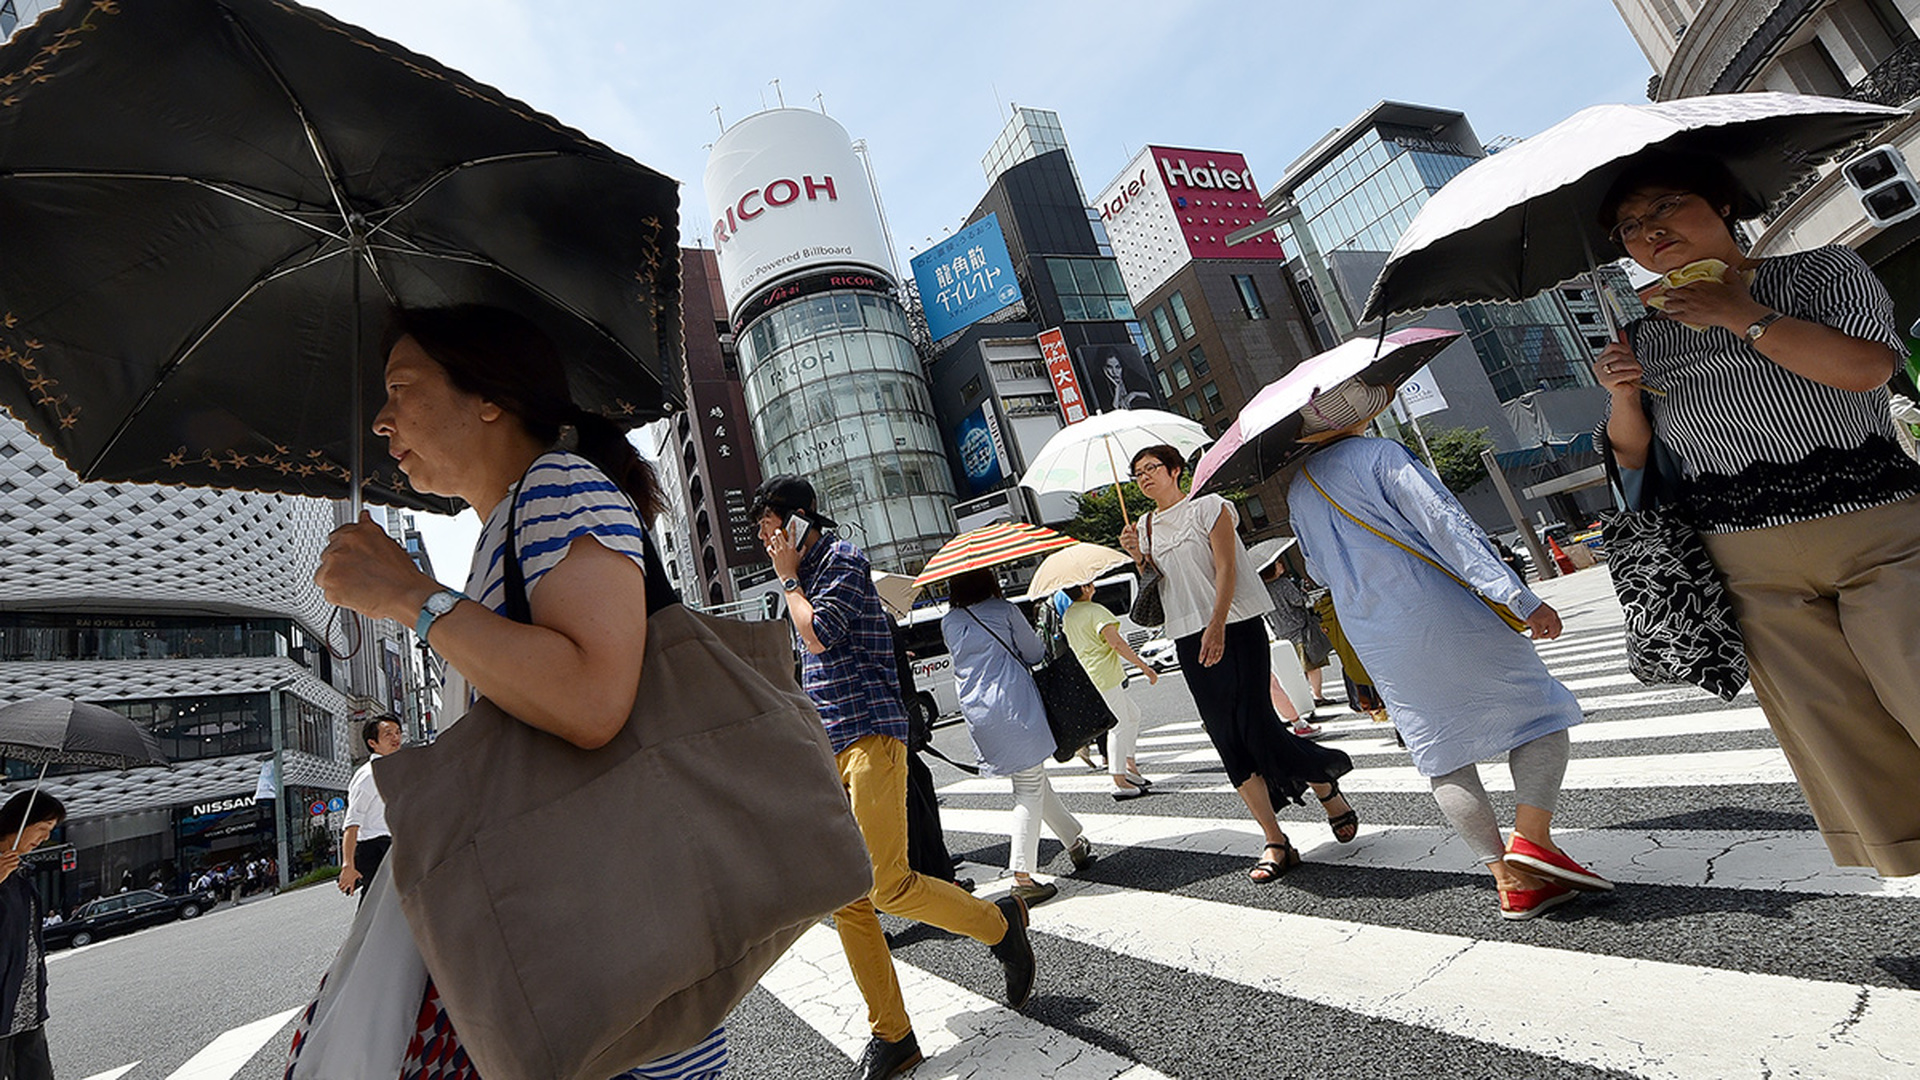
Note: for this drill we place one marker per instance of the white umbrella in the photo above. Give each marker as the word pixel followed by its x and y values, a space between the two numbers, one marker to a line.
pixel 1525 219
pixel 1091 453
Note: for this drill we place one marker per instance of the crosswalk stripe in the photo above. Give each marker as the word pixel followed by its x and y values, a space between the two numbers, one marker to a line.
pixel 1795 860
pixel 1649 727
pixel 115 1074
pixel 228 1054
pixel 961 1033
pixel 1644 1017
pixel 1707 768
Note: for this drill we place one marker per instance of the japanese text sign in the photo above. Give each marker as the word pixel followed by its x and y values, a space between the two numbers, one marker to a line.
pixel 1066 385
pixel 965 278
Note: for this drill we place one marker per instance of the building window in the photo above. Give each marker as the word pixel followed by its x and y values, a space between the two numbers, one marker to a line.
pixel 1211 392
pixel 1192 405
pixel 1182 378
pixel 1249 296
pixel 1199 358
pixel 1180 314
pixel 1089 289
pixel 1166 386
pixel 1256 512
pixel 1160 323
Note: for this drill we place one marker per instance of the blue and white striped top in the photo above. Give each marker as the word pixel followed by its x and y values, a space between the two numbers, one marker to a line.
pixel 567 497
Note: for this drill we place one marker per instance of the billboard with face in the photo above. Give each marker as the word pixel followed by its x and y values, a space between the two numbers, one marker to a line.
pixel 788 195
pixel 1118 378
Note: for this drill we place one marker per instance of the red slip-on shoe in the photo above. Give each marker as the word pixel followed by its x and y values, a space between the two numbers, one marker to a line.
pixel 1551 864
pixel 1527 903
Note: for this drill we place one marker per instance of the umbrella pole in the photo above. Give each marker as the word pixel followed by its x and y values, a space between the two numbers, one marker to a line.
pixel 1107 441
pixel 357 409
pixel 30 800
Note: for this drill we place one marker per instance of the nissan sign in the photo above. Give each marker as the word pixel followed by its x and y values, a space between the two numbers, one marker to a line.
pixel 788 196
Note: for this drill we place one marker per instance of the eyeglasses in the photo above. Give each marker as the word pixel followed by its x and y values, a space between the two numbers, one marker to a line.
pixel 1662 209
pixel 1142 470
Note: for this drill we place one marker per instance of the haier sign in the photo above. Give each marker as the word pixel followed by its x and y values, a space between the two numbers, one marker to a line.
pixel 965 278
pixel 1171 206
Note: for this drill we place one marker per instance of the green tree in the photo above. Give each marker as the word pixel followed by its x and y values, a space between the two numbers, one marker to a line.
pixel 1099 520
pixel 1456 456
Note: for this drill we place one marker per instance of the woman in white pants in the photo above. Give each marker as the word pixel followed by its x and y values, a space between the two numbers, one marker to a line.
pixel 992 645
pixel 1094 634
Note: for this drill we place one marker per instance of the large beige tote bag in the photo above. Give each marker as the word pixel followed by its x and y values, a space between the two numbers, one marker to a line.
pixel 586 911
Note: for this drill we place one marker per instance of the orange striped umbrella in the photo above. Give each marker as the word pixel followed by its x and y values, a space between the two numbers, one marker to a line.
pixel 991 545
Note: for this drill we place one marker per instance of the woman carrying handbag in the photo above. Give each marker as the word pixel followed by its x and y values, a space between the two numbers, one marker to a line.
pixel 993 647
pixel 478 408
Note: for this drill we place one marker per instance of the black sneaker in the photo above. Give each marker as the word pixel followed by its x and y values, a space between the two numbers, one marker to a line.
pixel 1015 952
pixel 882 1059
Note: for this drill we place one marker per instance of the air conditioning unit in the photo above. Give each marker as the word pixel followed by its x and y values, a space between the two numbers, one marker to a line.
pixel 1886 186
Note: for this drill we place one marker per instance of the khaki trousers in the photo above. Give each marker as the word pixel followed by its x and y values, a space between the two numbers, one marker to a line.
pixel 874 770
pixel 1830 610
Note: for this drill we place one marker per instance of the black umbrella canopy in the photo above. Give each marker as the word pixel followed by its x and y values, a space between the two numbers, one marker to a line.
pixel 56 730
pixel 212 208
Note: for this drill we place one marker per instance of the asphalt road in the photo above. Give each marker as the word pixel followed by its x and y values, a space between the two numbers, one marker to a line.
pixel 1731 948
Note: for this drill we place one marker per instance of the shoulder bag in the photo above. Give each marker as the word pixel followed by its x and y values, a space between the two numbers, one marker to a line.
pixel 1148 609
pixel 583 912
pixel 1679 619
pixel 1514 622
pixel 1076 713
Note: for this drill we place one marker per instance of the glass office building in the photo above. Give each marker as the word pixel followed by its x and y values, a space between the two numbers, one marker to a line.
pixel 1362 197
pixel 835 393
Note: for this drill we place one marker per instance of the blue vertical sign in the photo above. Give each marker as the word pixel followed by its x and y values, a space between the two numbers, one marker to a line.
pixel 965 278
pixel 981 449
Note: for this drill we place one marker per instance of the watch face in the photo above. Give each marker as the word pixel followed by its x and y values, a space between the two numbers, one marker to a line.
pixel 441 602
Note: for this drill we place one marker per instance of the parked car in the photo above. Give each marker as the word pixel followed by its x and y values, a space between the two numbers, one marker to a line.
pixel 124 913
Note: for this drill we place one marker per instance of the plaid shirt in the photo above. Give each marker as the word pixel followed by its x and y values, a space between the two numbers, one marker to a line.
pixel 855 683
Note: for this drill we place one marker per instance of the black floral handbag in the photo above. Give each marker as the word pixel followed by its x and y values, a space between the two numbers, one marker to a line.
pixel 1076 713
pixel 1680 623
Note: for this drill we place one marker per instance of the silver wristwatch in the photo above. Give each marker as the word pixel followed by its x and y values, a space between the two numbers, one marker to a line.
pixel 1759 325
pixel 437 605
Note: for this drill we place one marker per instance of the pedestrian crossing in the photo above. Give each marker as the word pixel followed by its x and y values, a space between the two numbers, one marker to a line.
pixel 1733 946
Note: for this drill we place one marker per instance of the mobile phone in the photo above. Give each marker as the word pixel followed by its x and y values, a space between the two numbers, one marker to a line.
pixel 797 528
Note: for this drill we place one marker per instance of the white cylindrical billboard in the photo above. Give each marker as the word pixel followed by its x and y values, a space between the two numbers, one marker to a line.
pixel 787 195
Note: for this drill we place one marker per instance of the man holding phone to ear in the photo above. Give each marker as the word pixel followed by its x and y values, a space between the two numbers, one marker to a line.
pixel 848 670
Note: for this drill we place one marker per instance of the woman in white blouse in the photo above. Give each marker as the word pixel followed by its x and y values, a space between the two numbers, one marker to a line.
pixel 1214 602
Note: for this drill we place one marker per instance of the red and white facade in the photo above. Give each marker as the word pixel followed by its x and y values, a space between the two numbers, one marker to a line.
pixel 1171 206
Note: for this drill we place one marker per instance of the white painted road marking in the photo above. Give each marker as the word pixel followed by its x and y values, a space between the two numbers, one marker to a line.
pixel 226 1055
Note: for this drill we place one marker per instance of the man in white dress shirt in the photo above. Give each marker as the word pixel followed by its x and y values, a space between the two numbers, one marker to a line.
pixel 366 840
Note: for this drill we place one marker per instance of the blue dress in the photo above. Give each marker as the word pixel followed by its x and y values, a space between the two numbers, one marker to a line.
pixel 1458 683
pixel 998 696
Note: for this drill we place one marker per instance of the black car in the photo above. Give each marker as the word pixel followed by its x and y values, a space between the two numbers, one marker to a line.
pixel 124 913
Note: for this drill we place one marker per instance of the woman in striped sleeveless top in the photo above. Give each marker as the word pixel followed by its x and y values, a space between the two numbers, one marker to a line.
pixel 1772 392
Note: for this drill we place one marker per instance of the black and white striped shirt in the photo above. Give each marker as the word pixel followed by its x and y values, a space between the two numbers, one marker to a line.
pixel 1760 445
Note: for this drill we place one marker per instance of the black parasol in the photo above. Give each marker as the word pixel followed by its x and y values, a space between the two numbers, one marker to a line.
pixel 211 208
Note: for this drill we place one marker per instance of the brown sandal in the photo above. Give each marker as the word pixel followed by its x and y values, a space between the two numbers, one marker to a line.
pixel 1267 871
pixel 1345 826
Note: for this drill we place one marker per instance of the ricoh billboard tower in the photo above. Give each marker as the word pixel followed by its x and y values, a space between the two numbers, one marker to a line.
pixel 834 389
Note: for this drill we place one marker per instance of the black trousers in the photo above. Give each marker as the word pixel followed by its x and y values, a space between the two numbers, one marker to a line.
pixel 367 855
pixel 25 1057
pixel 926 843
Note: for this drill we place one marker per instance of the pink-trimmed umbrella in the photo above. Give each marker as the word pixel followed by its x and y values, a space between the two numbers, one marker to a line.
pixel 1265 438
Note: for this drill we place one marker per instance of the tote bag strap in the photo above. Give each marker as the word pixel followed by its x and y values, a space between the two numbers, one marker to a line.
pixel 996 637
pixel 1506 613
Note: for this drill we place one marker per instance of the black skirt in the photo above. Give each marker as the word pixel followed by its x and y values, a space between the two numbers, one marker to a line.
pixel 1237 712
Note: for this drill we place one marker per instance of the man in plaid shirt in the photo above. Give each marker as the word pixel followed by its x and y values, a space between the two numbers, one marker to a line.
pixel 847 668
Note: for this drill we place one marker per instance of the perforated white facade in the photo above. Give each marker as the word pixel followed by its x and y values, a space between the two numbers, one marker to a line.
pixel 109 594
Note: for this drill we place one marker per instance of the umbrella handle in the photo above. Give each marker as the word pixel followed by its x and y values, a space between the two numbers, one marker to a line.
pixel 1107 442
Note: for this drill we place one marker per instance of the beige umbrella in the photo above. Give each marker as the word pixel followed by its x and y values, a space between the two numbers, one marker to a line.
pixel 1074 566
pixel 896 592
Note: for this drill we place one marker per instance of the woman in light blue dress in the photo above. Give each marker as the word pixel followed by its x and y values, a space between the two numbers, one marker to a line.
pixel 1409 570
pixel 993 647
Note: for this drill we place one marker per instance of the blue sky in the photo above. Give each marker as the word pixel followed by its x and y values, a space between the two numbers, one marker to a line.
pixel 927 85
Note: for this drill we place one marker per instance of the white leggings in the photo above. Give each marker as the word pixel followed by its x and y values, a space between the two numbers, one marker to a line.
pixel 1125 733
pixel 1034 800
